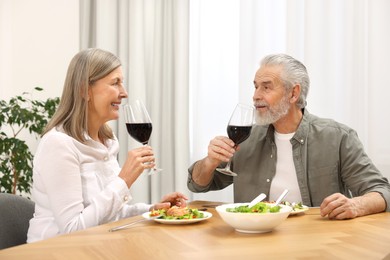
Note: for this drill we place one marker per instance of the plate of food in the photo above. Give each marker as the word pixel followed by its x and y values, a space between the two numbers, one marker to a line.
pixel 177 215
pixel 297 208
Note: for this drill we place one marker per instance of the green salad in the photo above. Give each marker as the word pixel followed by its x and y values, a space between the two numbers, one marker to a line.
pixel 260 207
pixel 176 213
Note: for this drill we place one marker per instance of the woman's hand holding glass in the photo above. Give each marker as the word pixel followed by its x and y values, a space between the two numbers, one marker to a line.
pixel 137 161
pixel 139 126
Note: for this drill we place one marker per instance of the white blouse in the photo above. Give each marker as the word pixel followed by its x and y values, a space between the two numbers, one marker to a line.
pixel 76 186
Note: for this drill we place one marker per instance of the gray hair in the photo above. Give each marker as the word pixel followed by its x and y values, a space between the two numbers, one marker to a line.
pixel 294 72
pixel 86 67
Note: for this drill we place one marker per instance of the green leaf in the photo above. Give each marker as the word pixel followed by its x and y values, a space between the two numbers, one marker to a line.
pixel 21 113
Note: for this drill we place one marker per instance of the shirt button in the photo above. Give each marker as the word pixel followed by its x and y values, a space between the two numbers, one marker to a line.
pixel 272 156
pixel 105 158
pixel 301 141
pixel 125 198
pixel 268 180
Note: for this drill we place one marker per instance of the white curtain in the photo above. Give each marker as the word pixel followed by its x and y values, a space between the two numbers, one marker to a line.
pixel 151 39
pixel 343 43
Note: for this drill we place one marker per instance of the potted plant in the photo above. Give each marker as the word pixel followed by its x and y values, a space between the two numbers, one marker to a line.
pixel 19 114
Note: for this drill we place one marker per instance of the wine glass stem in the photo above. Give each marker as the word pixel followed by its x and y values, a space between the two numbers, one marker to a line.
pixel 227 167
pixel 151 170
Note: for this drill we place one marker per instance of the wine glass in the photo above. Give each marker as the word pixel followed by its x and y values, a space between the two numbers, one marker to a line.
pixel 238 129
pixel 138 124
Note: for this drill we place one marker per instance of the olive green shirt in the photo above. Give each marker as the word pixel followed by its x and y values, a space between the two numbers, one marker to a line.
pixel 328 158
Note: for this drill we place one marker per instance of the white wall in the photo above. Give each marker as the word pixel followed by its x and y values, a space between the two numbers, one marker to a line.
pixel 37 41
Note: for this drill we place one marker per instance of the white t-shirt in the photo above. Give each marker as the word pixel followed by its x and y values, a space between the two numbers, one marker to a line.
pixel 286 176
pixel 76 186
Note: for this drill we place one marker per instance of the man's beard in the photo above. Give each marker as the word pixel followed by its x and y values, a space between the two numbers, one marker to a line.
pixel 273 114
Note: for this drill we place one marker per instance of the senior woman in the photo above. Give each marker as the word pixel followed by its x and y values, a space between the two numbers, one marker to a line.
pixel 78 182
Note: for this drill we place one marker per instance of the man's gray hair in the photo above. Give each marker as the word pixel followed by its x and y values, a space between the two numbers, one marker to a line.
pixel 294 72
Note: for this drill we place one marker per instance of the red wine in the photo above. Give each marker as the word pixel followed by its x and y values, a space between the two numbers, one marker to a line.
pixel 238 133
pixel 140 131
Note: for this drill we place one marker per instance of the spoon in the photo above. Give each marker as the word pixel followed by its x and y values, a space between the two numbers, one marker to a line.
pixel 257 200
pixel 281 197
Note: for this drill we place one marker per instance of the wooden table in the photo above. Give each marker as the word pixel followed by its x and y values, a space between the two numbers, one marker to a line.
pixel 304 236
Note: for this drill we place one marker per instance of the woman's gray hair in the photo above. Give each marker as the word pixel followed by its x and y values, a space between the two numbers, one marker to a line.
pixel 86 67
pixel 294 72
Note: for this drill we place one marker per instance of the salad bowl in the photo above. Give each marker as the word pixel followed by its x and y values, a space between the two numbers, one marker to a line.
pixel 253 222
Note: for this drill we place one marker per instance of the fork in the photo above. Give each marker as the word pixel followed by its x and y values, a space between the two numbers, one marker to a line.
pixel 132 223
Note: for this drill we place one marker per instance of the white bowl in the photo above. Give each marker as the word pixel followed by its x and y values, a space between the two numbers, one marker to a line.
pixel 253 222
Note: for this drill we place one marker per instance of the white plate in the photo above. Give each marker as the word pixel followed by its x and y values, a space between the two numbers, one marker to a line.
pixel 297 211
pixel 206 215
